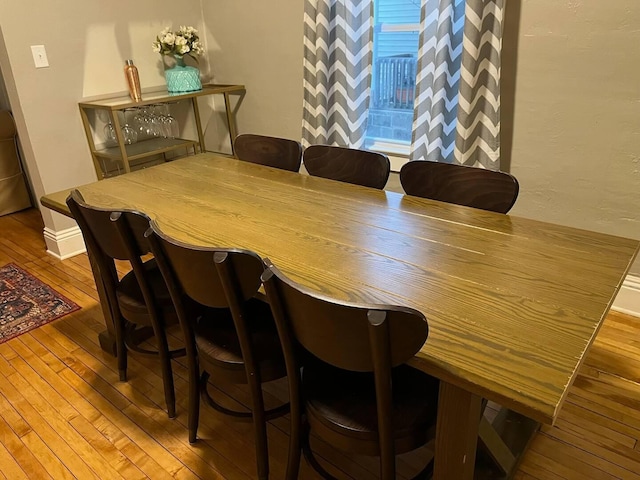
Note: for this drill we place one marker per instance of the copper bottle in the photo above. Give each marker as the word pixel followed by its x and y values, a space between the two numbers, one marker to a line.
pixel 131 72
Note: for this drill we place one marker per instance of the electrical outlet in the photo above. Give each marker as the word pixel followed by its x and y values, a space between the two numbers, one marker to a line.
pixel 39 56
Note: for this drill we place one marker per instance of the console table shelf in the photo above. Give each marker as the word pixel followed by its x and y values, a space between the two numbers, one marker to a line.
pixel 146 148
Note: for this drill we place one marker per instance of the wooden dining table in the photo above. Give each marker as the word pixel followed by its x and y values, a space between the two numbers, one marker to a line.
pixel 513 304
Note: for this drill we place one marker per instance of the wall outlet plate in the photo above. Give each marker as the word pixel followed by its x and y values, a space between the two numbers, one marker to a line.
pixel 39 56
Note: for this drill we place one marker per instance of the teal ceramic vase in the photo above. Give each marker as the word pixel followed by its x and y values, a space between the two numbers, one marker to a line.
pixel 182 78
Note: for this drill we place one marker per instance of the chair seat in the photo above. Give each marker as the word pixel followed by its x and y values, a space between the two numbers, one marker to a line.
pixel 131 301
pixel 218 344
pixel 345 402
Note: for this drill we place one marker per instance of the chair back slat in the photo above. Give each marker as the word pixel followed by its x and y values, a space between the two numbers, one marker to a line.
pixel 360 167
pixel 195 271
pixel 338 333
pixel 99 223
pixel 269 151
pixel 461 185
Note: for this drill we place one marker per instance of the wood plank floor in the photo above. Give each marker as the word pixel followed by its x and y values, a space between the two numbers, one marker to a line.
pixel 64 414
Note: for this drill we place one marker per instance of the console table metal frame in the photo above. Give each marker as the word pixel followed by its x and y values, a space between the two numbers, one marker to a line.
pixel 153 146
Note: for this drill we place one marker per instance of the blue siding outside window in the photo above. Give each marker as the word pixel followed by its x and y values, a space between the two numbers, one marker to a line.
pixel 394 69
pixel 397 43
pixel 397 11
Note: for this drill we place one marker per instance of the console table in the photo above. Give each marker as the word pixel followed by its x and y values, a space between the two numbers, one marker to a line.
pixel 122 155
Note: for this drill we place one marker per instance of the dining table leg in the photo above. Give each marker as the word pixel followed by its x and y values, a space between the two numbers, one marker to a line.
pixel 456 433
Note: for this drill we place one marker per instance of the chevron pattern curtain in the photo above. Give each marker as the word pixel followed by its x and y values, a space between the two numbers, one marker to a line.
pixel 457 108
pixel 437 84
pixel 478 127
pixel 338 53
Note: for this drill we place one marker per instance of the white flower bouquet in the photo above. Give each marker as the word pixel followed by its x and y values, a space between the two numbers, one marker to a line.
pixel 184 41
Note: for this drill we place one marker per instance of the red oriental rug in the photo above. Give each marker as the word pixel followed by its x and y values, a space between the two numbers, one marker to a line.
pixel 27 303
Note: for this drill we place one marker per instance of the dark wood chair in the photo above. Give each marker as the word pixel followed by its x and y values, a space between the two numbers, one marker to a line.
pixel 360 167
pixel 459 184
pixel 347 379
pixel 139 298
pixel 269 151
pixel 235 340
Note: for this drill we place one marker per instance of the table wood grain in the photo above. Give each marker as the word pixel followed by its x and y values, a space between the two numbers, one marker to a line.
pixel 513 304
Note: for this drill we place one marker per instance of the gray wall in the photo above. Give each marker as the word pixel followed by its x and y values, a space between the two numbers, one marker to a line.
pixel 576 118
pixel 87 43
pixel 574 141
pixel 259 44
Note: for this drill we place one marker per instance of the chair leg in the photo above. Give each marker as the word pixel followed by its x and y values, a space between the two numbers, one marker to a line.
pixel 295 447
pixel 260 429
pixel 121 350
pixel 310 457
pixel 387 460
pixel 122 364
pixel 167 373
pixel 196 384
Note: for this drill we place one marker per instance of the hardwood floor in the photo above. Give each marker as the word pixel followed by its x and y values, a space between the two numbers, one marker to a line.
pixel 64 414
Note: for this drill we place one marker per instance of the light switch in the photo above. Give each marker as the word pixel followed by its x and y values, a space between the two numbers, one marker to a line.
pixel 39 56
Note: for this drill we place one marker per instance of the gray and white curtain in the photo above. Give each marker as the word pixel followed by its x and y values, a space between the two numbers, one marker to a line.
pixel 457 105
pixel 457 108
pixel 438 80
pixel 338 54
pixel 478 128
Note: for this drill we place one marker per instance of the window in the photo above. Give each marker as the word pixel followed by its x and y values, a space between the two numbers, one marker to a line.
pixel 395 58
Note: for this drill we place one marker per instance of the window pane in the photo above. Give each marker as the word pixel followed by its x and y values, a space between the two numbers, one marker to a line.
pixel 394 71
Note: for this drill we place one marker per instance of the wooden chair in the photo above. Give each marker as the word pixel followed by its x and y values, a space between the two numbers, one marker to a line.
pixel 360 167
pixel 139 298
pixel 235 340
pixel 462 185
pixel 270 151
pixel 347 378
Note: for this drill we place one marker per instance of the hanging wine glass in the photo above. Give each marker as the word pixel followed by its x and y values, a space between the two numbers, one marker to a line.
pixel 170 124
pixel 129 133
pixel 110 138
pixel 161 114
pixel 155 121
pixel 140 121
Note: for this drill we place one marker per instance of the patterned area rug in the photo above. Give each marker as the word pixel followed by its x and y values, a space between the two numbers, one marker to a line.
pixel 27 303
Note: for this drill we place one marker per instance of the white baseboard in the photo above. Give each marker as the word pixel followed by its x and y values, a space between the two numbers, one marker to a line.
pixel 628 299
pixel 64 243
